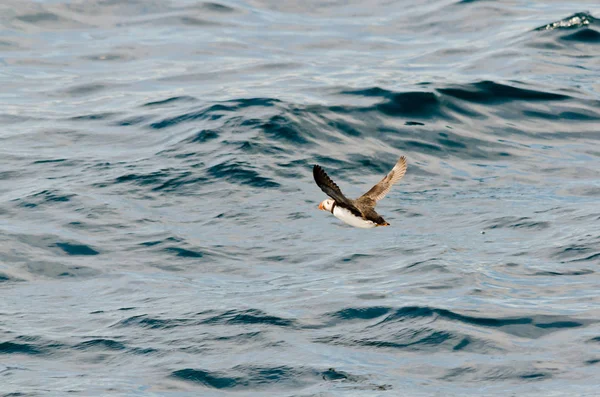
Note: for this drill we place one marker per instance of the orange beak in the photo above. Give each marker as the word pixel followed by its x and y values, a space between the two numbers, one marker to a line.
pixel 321 205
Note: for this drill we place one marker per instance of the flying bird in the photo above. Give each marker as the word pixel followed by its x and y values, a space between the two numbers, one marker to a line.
pixel 360 212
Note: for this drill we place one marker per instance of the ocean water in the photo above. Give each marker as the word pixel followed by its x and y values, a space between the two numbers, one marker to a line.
pixel 159 230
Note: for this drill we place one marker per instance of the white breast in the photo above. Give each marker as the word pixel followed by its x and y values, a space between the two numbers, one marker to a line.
pixel 351 219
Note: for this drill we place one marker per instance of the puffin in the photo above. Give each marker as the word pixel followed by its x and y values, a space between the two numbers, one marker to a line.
pixel 360 212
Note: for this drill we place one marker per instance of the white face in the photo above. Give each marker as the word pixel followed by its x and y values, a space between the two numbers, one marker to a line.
pixel 326 205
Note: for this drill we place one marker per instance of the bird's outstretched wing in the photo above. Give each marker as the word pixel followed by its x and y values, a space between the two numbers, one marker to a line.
pixel 332 190
pixel 379 191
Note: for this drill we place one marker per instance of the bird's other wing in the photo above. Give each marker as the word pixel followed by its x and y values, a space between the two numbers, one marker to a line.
pixel 379 191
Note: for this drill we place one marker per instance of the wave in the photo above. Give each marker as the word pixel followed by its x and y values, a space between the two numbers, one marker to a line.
pixel 256 377
pixel 575 21
pixel 528 327
pixel 254 142
pixel 228 317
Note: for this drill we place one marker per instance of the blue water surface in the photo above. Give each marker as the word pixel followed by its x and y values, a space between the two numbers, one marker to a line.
pixel 159 230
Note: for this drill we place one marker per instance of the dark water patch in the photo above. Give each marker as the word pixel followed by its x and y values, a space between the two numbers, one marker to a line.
pixel 457 373
pixel 192 155
pixel 370 92
pixel 583 272
pixel 77 249
pixel 144 351
pixel 130 121
pixel 170 101
pixel 411 123
pixel 4 278
pixel 513 222
pixel 428 265
pixel 530 327
pixel 248 317
pixel 575 250
pixel 176 21
pixel 216 7
pixel 29 338
pixel 413 104
pixel 585 191
pixel 451 144
pixel 59 270
pixel 257 377
pixel 8 175
pixel 344 127
pixel 255 102
pixel 422 147
pixel 547 44
pixel 48 20
pixel 462 344
pixel 531 114
pixel 593 257
pixel 240 338
pixel 281 128
pixel 49 161
pixel 30 345
pixel 214 380
pixel 157 242
pixel 100 344
pixel 176 184
pixel 492 93
pixel 580 115
pixel 589 36
pixel 575 21
pixel 595 339
pixel 512 374
pixel 413 339
pixel 27 204
pixel 164 181
pixel 151 178
pixel 45 197
pixel 94 117
pixel 241 173
pixel 8 45
pixel 203 136
pixel 109 57
pixel 187 117
pixel 593 361
pixel 369 165
pixel 362 313
pixel 257 147
pixel 185 253
pixel 560 324
pixel 298 215
pixel 19 348
pixel 106 165
pixel 334 375
pixel 54 196
pixel 13 119
pixel 192 21
pixel 145 321
pixel 354 258
pixel 215 112
pixel 496 373
pixel 295 164
pixel 417 104
pixel 85 89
